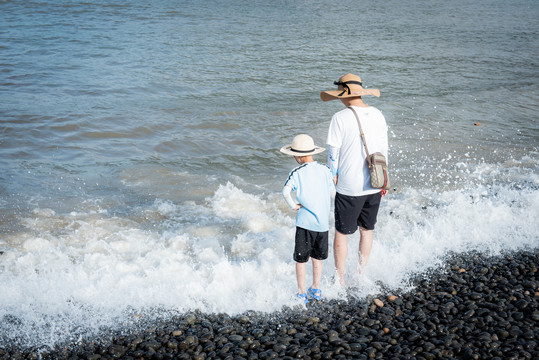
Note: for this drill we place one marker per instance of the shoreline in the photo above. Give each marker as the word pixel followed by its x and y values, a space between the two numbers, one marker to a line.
pixel 474 307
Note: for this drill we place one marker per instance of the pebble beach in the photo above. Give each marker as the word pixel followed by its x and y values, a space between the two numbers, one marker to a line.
pixel 475 307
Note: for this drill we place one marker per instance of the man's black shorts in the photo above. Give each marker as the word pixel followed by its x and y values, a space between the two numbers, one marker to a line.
pixel 310 244
pixel 354 211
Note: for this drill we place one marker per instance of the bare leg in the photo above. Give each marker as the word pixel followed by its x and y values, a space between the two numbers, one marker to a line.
pixel 300 277
pixel 340 252
pixel 365 246
pixel 317 273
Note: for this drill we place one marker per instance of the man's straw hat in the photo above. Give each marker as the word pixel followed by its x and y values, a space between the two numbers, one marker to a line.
pixel 302 145
pixel 349 85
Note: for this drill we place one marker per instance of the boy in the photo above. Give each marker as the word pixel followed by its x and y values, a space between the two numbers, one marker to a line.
pixel 313 185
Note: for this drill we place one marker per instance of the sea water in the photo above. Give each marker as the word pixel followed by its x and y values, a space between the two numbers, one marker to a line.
pixel 139 149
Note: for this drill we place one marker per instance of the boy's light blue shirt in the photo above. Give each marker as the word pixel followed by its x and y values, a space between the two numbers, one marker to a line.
pixel 313 185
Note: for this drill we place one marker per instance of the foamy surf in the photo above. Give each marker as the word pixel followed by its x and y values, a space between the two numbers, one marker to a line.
pixel 66 276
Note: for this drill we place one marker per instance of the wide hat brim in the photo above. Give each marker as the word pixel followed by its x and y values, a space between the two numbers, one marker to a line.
pixel 339 94
pixel 288 150
pixel 349 86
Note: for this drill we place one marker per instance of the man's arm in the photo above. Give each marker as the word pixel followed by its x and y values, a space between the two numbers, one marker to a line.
pixel 333 162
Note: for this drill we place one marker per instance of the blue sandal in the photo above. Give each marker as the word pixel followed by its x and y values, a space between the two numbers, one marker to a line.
pixel 315 293
pixel 303 297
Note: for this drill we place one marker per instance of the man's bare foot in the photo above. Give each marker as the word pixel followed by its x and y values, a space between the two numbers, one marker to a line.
pixel 338 279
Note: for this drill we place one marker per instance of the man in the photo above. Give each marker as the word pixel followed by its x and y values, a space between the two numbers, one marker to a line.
pixel 356 202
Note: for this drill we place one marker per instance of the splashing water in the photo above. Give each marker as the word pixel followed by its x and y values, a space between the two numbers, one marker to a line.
pixel 90 270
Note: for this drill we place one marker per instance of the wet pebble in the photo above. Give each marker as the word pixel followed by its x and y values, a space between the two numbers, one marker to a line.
pixel 476 307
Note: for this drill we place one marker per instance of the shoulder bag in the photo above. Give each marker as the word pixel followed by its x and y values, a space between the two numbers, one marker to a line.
pixel 377 163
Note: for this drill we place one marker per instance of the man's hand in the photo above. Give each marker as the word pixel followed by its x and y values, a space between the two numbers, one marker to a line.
pixel 384 192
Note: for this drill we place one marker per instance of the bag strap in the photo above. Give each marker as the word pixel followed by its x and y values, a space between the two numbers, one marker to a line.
pixel 360 131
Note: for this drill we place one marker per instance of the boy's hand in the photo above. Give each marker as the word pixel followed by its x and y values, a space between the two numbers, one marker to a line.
pixel 384 192
pixel 298 206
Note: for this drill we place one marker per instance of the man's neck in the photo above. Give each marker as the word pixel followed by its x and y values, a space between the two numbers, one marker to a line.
pixel 358 102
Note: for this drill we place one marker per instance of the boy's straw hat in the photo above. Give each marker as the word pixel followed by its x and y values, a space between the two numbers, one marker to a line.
pixel 302 145
pixel 349 85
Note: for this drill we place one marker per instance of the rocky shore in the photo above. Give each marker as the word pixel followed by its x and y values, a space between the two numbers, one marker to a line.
pixel 476 307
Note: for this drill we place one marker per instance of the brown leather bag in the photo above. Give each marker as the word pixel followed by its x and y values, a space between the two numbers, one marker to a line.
pixel 377 163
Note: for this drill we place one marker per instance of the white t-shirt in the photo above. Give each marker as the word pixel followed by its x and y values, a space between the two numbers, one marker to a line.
pixel 354 178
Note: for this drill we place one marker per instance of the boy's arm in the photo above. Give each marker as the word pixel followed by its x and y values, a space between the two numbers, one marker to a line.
pixel 286 194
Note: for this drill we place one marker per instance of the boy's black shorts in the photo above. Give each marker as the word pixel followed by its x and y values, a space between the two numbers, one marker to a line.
pixel 354 211
pixel 310 244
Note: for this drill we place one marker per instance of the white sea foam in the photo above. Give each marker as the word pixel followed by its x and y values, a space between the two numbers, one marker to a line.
pixel 74 273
